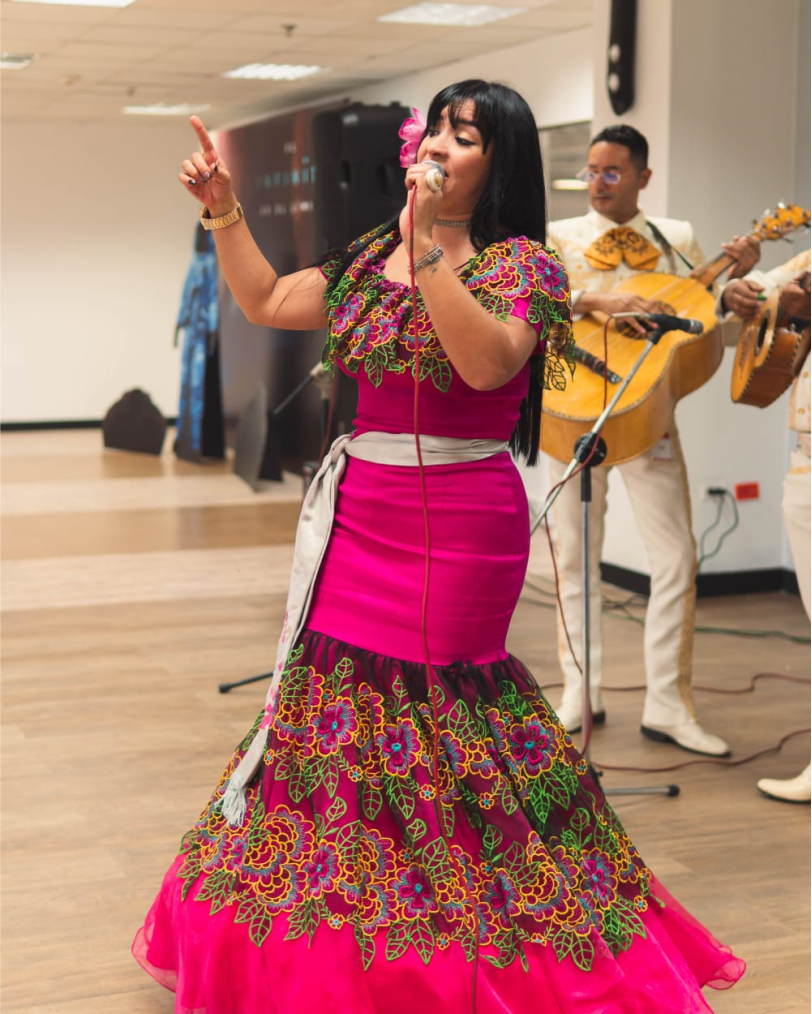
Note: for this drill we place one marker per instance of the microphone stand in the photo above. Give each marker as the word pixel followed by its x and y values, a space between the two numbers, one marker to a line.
pixel 583 454
pixel 319 376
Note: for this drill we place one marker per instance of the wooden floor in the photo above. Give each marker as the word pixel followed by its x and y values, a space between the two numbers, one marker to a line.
pixel 132 586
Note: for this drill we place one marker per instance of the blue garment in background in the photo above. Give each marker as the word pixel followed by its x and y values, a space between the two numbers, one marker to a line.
pixel 199 318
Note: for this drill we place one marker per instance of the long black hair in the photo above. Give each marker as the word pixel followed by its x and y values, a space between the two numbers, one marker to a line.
pixel 513 202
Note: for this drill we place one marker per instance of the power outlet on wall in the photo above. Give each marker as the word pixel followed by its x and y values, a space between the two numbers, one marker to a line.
pixel 746 491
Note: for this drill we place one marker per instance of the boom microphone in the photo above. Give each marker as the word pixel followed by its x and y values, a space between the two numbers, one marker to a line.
pixel 435 175
pixel 667 322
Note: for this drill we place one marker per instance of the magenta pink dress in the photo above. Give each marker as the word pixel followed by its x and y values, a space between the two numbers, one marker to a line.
pixel 338 892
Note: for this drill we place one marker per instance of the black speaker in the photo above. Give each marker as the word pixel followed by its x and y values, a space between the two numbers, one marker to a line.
pixel 620 62
pixel 134 423
pixel 359 185
pixel 360 180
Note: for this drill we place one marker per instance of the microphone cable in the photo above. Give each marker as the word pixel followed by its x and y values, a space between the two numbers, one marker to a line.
pixel 699 688
pixel 432 680
pixel 620 609
pixel 724 762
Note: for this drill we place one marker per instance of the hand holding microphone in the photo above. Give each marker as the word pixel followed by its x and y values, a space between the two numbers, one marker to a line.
pixel 424 182
pixel 434 176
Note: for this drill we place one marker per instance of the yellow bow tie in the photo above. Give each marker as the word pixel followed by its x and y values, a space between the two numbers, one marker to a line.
pixel 622 243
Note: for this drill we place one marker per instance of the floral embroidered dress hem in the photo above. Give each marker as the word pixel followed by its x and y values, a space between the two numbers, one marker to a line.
pixel 339 889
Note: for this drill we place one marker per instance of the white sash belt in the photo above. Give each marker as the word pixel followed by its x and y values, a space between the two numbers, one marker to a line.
pixel 312 537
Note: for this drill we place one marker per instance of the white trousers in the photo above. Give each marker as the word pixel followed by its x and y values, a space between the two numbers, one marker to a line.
pixel 797 516
pixel 658 490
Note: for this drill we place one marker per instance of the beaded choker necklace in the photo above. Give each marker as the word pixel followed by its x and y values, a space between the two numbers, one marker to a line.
pixel 452 223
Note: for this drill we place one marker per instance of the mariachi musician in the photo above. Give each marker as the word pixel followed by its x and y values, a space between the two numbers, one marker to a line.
pixel 615 241
pixel 743 297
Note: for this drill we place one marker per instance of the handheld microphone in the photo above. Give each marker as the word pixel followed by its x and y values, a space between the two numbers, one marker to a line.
pixel 435 175
pixel 666 322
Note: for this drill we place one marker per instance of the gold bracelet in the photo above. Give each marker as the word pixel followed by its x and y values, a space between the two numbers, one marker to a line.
pixel 224 221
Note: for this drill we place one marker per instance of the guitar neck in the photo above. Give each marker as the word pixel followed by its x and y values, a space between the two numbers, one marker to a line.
pixel 707 273
pixel 770 227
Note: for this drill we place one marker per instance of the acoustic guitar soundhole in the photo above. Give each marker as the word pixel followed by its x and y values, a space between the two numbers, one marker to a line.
pixel 764 327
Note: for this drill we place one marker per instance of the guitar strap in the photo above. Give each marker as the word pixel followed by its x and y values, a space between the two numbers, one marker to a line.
pixel 669 250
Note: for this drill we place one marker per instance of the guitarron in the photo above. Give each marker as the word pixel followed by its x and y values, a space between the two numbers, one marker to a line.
pixel 769 354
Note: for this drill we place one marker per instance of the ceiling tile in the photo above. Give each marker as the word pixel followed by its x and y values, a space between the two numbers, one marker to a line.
pixel 206 64
pixel 54 14
pixel 23 43
pixel 108 51
pixel 177 50
pixel 235 7
pixel 304 25
pixel 349 47
pixel 235 48
pixel 22 106
pixel 554 19
pixel 149 37
pixel 568 5
pixel 148 73
pixel 387 31
pixel 45 31
pixel 140 16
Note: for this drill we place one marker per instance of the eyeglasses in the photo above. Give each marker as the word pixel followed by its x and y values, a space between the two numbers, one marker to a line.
pixel 610 176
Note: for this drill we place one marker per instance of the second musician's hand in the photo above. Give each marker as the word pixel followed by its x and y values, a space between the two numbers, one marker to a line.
pixel 742 297
pixel 745 252
pixel 794 299
pixel 618 302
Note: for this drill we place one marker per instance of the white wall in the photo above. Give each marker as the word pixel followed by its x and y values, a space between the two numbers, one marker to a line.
pixel 96 241
pixel 653 88
pixel 727 133
pixel 736 443
pixel 802 97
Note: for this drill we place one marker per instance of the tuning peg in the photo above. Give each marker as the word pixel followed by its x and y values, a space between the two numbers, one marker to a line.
pixel 781 204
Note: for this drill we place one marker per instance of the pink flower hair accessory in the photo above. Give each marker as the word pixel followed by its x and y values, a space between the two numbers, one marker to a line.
pixel 411 130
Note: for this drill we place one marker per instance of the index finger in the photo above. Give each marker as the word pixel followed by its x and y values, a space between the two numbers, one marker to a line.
pixel 202 135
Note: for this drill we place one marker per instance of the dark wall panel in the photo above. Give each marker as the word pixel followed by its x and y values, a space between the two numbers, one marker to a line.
pixel 308 181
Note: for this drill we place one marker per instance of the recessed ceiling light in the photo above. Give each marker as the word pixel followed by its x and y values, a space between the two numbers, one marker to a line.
pixel 274 71
pixel 464 15
pixel 80 3
pixel 16 61
pixel 565 184
pixel 162 109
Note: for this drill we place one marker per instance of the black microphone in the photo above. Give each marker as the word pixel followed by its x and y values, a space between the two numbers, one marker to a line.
pixel 668 323
pixel 435 175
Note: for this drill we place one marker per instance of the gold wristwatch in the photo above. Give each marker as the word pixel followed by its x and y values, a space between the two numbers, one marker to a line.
pixel 224 221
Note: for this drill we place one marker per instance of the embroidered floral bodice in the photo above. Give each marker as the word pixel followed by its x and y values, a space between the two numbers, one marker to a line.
pixel 371 335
